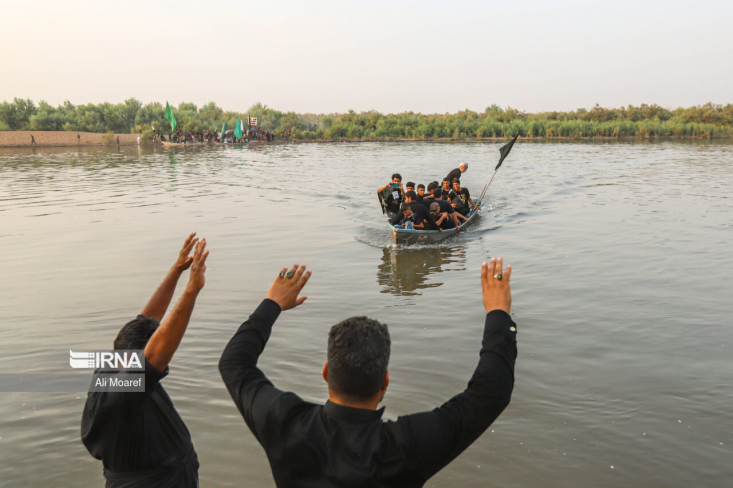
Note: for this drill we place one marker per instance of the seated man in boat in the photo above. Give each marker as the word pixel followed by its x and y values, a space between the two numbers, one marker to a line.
pixel 460 198
pixel 447 185
pixel 409 219
pixel 456 173
pixel 420 193
pixel 446 207
pixel 442 219
pixel 395 197
pixel 417 208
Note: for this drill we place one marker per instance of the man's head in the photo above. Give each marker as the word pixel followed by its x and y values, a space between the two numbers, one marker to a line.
pixel 396 178
pixel 421 189
pixel 136 333
pixel 463 167
pixel 438 193
pixel 456 184
pixel 446 184
pixel 432 186
pixel 410 186
pixel 434 208
pixel 358 357
pixel 410 196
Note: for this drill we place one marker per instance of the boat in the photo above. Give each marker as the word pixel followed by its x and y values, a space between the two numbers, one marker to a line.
pixel 416 236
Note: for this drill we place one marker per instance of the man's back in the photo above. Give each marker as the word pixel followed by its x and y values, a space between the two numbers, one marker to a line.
pixel 335 445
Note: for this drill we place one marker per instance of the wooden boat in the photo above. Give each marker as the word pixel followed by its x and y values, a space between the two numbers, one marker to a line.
pixel 416 236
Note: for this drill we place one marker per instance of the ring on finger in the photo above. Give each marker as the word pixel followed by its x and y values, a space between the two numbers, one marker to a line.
pixel 289 274
pixel 498 276
pixel 281 275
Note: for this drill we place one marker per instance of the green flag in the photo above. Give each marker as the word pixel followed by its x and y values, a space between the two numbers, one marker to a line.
pixel 169 117
pixel 238 130
pixel 222 130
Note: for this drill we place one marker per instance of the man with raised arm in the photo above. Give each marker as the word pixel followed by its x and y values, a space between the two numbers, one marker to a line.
pixel 140 438
pixel 345 442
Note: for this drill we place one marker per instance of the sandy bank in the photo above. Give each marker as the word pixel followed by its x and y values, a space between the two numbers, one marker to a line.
pixel 63 138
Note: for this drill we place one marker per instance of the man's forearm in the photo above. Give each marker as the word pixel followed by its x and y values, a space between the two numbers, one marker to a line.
pixel 166 339
pixel 158 303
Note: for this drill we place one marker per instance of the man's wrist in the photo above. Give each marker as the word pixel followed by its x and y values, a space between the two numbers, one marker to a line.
pixel 192 288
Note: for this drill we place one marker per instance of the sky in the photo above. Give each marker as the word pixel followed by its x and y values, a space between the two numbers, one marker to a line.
pixel 390 56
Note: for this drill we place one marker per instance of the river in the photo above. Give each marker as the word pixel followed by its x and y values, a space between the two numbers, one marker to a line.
pixel 622 261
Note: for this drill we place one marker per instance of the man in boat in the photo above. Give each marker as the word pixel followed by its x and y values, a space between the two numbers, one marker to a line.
pixel 447 185
pixel 442 219
pixel 417 209
pixel 420 193
pixel 410 186
pixel 460 198
pixel 345 442
pixel 456 173
pixel 394 198
pixel 409 219
pixel 445 207
pixel 140 437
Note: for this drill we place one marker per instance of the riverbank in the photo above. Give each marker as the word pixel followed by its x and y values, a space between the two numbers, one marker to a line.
pixel 86 139
pixel 26 138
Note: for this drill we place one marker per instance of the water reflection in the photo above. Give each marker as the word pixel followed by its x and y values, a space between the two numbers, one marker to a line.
pixel 404 271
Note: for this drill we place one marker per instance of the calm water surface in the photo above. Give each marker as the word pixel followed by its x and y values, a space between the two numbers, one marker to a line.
pixel 622 294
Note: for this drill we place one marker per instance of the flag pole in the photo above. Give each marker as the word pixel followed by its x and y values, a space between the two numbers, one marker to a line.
pixel 504 152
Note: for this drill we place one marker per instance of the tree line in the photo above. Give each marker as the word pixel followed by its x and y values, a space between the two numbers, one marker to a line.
pixel 132 116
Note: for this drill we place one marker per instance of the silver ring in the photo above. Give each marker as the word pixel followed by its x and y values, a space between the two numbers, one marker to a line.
pixel 497 276
pixel 281 275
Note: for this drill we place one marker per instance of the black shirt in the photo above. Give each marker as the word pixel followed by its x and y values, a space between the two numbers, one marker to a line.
pixel 455 173
pixel 461 199
pixel 447 223
pixel 420 215
pixel 314 445
pixel 140 438
pixel 445 206
pixel 393 197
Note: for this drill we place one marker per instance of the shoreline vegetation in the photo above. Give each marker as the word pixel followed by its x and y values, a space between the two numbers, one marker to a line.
pixel 709 121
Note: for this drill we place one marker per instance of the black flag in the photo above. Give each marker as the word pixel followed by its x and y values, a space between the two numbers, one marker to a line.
pixel 505 151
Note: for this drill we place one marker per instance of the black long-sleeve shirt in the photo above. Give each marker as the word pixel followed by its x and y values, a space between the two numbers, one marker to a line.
pixel 313 445
pixel 140 437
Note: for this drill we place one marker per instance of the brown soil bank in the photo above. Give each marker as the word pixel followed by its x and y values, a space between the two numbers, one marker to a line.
pixel 63 138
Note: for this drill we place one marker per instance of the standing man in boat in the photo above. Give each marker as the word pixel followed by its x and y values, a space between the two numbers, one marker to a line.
pixel 394 198
pixel 456 173
pixel 139 436
pixel 345 442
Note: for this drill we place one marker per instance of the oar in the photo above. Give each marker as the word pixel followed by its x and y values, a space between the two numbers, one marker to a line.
pixel 504 152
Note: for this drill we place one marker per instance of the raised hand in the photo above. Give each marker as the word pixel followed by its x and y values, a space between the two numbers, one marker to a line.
pixel 184 260
pixel 288 284
pixel 495 286
pixel 198 266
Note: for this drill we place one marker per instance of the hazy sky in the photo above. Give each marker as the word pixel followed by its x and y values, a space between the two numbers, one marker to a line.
pixel 391 56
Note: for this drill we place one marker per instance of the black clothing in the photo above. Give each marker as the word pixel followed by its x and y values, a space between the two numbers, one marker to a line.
pixel 140 438
pixel 445 206
pixel 461 199
pixel 393 198
pixel 447 223
pixel 313 445
pixel 455 173
pixel 420 215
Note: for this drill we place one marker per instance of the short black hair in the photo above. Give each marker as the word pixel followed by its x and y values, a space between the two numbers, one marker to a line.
pixel 398 176
pixel 404 207
pixel 457 180
pixel 438 193
pixel 433 185
pixel 136 333
pixel 410 183
pixel 446 179
pixel 420 186
pixel 358 357
pixel 411 194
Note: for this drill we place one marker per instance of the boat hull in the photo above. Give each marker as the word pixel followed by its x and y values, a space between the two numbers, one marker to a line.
pixel 410 237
